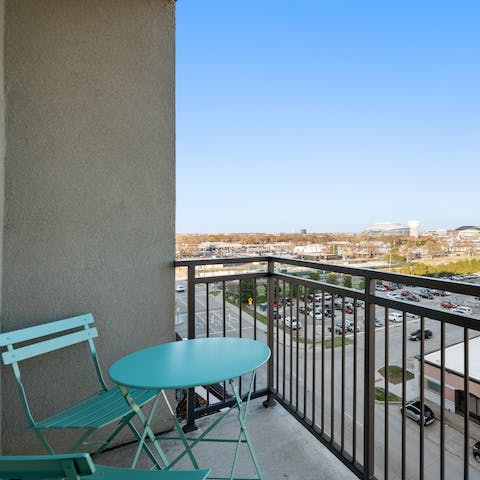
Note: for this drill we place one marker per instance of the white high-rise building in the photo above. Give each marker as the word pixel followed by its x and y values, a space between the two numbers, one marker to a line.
pixel 414 224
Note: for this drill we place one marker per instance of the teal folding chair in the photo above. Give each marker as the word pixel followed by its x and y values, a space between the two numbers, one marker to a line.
pixel 103 408
pixel 76 466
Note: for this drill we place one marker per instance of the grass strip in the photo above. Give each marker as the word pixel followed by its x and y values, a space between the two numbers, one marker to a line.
pixel 395 374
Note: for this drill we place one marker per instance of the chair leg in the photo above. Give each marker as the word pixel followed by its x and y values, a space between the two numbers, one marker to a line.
pixel 44 441
pixel 126 422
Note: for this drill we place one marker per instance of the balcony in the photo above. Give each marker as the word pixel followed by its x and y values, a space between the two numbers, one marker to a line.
pixel 327 376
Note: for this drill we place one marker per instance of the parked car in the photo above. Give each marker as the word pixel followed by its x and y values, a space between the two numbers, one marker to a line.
pixel 179 288
pixel 360 303
pixel 424 294
pixel 328 311
pixel 395 317
pixel 338 328
pixel 417 334
pixel 394 295
pixel 287 301
pixel 448 305
pixel 293 323
pixel 463 310
pixel 413 411
pixel 316 312
pixel 412 298
pixel 378 322
pixel 476 451
pixel 350 326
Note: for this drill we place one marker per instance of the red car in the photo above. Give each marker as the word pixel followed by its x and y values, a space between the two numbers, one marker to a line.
pixel 448 305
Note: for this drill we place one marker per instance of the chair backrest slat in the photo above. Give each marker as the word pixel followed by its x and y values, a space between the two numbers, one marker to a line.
pixel 51 328
pixel 39 348
pixel 70 466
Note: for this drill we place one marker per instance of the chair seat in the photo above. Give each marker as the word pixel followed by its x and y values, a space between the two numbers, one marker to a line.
pixel 97 410
pixel 112 473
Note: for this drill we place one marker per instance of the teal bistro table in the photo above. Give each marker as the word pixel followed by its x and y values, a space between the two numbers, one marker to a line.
pixel 185 364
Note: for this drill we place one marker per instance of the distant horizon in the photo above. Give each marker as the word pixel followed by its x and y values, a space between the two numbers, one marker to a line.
pixel 421 231
pixel 326 115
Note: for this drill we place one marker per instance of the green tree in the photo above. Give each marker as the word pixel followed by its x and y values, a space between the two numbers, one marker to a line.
pixel 314 275
pixel 247 289
pixel 347 281
pixel 332 278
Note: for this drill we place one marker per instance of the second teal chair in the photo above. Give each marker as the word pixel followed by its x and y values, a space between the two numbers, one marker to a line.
pixel 79 466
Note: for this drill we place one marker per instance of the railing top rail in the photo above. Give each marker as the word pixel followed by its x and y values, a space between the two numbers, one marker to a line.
pixel 218 261
pixel 410 280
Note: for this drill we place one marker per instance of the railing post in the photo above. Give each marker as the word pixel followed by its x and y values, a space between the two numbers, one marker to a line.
pixel 190 425
pixel 369 389
pixel 269 402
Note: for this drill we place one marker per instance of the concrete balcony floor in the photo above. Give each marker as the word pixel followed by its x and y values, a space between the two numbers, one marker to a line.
pixel 285 450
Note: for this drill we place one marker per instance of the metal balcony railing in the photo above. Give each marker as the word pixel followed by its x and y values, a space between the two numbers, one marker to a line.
pixel 342 363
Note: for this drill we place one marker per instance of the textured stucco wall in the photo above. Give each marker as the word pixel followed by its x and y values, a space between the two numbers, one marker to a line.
pixel 89 185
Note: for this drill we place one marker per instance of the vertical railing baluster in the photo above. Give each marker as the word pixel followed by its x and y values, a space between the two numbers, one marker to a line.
pixel 270 327
pixel 207 308
pixel 290 398
pixel 442 401
pixel 332 374
pixel 240 326
pixel 342 413
pixel 255 314
pixel 284 349
pixel 369 389
pixel 314 340
pixel 422 399
pixel 354 411
pixel 386 361
pixel 466 387
pixel 305 374
pixel 322 386
pixel 190 423
pixel 404 394
pixel 224 309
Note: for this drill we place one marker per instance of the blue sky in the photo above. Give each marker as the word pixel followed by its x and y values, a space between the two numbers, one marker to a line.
pixel 327 115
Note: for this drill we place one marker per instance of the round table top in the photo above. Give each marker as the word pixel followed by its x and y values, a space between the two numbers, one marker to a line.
pixel 188 363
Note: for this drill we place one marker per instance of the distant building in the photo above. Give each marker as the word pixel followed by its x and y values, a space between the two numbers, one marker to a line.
pixel 454 377
pixel 387 228
pixel 413 225
pixel 303 231
pixel 467 231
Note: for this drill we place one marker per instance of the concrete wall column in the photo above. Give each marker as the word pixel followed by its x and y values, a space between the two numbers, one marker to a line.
pixel 2 163
pixel 89 186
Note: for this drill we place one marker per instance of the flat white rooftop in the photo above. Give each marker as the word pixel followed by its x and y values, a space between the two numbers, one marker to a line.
pixel 454 358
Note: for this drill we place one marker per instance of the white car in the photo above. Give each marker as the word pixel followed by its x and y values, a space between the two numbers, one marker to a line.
pixel 179 288
pixel 463 310
pixel 395 317
pixel 293 323
pixel 317 313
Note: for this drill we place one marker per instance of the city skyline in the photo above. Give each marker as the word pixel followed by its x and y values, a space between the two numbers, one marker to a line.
pixel 326 117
